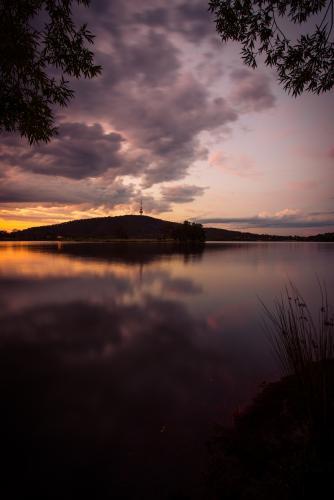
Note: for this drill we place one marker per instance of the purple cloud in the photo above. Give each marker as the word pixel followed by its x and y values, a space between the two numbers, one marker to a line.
pixel 181 194
pixel 78 151
pixel 143 117
pixel 252 90
pixel 283 219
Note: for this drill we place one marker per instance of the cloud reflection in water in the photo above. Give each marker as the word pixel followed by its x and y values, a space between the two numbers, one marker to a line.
pixel 117 360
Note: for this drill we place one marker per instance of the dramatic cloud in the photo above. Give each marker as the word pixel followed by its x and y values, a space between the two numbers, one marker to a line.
pixel 155 107
pixel 20 187
pixel 70 199
pixel 144 121
pixel 189 19
pixel 161 122
pixel 252 90
pixel 146 92
pixel 181 194
pixel 78 151
pixel 192 20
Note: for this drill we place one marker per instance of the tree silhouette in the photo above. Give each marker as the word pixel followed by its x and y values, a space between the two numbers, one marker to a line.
pixel 303 64
pixel 189 232
pixel 40 46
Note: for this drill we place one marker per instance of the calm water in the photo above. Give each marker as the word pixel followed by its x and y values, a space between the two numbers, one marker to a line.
pixel 117 360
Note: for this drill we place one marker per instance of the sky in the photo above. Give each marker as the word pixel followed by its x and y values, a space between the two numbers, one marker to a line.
pixel 177 120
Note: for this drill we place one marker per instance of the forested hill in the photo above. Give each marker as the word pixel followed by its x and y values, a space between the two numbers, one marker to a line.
pixel 120 227
pixel 110 228
pixel 139 227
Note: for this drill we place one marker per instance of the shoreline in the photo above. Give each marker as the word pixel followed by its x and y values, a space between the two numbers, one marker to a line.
pixel 163 241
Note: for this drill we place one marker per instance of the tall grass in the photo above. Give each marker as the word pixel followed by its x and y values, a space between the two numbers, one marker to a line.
pixel 304 346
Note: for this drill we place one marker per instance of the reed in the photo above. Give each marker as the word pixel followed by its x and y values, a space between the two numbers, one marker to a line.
pixel 304 346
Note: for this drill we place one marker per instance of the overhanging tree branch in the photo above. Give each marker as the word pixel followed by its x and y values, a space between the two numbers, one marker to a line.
pixel 36 62
pixel 303 64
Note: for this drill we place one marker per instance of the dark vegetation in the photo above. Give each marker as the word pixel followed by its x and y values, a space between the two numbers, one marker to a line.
pixel 270 451
pixel 40 46
pixel 122 227
pixel 126 227
pixel 216 234
pixel 305 347
pixel 303 61
pixel 282 445
pixel 189 231
pixel 133 227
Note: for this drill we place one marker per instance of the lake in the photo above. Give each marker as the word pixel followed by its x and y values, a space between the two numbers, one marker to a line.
pixel 119 359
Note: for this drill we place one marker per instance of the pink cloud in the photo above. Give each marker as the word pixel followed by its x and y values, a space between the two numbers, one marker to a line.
pixel 330 152
pixel 239 165
pixel 306 185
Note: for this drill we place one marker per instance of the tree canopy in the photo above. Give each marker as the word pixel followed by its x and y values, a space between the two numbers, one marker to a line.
pixel 40 46
pixel 304 61
pixel 189 232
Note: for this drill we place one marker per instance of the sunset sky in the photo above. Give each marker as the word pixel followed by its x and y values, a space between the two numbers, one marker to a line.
pixel 175 119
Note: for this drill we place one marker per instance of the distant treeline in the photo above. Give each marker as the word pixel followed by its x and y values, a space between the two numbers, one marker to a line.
pixel 216 234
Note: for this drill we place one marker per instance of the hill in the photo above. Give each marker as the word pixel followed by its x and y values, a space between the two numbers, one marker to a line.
pixel 140 227
pixel 119 227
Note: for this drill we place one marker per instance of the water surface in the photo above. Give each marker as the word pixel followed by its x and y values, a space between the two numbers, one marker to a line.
pixel 117 360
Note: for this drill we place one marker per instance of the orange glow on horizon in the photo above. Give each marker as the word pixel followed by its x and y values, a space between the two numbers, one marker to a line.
pixel 12 224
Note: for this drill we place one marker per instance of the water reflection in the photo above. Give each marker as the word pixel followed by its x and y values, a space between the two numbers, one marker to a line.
pixel 116 361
